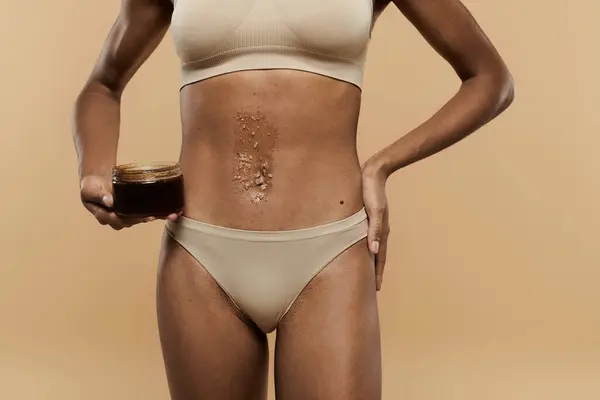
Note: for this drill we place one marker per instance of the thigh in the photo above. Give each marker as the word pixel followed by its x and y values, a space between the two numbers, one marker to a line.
pixel 210 353
pixel 328 345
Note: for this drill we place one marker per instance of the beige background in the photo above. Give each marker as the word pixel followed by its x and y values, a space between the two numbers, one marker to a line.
pixel 491 286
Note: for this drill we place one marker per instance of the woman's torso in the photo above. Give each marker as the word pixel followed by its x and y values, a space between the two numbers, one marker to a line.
pixel 305 127
pixel 270 149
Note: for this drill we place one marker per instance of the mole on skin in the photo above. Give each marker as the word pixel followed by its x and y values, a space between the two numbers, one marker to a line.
pixel 255 144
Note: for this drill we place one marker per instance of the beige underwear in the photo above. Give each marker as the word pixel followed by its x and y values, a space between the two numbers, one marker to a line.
pixel 264 272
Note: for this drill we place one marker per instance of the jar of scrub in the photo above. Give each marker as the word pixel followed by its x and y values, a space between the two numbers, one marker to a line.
pixel 147 190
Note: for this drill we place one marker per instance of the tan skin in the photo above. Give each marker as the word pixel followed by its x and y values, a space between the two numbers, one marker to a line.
pixel 210 350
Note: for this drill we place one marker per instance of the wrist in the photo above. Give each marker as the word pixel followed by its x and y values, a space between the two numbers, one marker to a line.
pixel 101 171
pixel 377 167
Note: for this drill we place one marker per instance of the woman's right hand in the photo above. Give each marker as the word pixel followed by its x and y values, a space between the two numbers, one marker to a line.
pixel 97 198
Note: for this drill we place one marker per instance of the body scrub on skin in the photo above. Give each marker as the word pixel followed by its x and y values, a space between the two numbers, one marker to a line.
pixel 255 144
pixel 148 190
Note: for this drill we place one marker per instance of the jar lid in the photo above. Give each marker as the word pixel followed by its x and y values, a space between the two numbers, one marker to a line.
pixel 137 172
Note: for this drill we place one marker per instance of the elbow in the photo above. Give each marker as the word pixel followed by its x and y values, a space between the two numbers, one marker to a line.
pixel 105 82
pixel 506 90
pixel 494 85
pixel 93 89
pixel 501 88
pixel 497 88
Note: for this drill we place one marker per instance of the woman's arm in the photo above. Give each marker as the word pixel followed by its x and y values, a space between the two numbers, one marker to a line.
pixel 138 30
pixel 486 90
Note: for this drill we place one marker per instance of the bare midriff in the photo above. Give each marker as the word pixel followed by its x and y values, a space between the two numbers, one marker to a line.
pixel 270 150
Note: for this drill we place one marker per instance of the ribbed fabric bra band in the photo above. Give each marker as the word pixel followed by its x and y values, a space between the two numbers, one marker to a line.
pixel 326 37
pixel 264 272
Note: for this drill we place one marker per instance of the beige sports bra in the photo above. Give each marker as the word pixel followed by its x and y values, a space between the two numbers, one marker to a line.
pixel 326 37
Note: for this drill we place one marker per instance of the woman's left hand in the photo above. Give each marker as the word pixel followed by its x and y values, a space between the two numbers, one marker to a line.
pixel 375 201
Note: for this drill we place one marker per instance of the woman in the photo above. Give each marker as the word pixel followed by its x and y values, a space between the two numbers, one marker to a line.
pixel 270 99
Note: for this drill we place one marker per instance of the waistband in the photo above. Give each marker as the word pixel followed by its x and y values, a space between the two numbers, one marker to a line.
pixel 269 236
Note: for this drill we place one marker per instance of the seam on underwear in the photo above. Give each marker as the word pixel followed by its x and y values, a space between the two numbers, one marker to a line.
pixel 274 239
pixel 185 82
pixel 203 266
pixel 272 236
pixel 317 272
pixel 287 68
pixel 191 64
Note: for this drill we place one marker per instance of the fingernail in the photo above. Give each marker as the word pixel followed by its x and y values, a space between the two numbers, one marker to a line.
pixel 106 199
pixel 375 247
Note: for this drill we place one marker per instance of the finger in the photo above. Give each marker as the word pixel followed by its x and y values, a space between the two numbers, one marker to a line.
pixel 375 227
pixel 130 221
pixel 112 220
pixel 108 200
pixel 173 217
pixel 97 210
pixel 96 194
pixel 102 198
pixel 380 259
pixel 105 217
